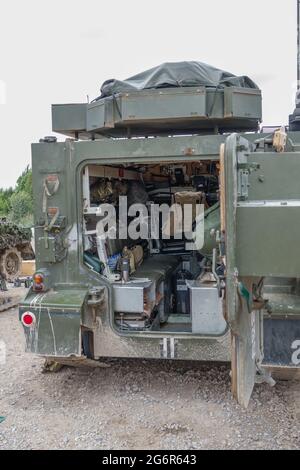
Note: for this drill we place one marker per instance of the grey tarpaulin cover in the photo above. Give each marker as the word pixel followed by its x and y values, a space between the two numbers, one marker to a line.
pixel 176 74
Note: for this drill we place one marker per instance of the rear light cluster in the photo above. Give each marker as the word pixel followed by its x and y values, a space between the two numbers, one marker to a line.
pixel 38 282
pixel 28 319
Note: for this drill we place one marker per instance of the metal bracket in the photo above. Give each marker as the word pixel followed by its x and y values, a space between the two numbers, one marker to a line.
pixel 214 271
pixel 243 184
pixel 248 166
pixel 95 300
pixel 264 377
pixel 244 169
pixel 96 296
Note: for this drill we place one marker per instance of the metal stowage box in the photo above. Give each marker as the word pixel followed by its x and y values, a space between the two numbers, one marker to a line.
pixel 206 309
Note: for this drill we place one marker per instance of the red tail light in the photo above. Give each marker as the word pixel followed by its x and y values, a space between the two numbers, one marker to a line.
pixel 28 319
pixel 38 282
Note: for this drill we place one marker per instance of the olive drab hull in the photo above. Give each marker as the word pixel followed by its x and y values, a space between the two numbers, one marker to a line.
pixel 137 289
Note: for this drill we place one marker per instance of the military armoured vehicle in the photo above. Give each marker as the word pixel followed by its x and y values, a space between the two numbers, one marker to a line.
pixel 15 244
pixel 229 289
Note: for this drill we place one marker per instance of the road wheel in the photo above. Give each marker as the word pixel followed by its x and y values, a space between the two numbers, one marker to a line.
pixel 10 264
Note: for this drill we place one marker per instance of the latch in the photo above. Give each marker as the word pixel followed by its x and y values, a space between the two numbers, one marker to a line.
pixel 96 300
pixel 243 185
pixel 96 297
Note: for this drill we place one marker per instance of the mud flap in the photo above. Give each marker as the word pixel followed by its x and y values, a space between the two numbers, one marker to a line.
pixel 246 356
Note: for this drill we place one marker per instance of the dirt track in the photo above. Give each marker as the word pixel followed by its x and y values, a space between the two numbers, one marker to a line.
pixel 135 405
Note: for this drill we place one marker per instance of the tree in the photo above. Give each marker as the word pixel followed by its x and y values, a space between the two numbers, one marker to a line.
pixel 21 206
pixel 24 182
pixel 17 204
pixel 5 195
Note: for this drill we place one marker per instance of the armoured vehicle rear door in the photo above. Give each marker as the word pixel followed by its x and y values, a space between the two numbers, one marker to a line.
pixel 260 218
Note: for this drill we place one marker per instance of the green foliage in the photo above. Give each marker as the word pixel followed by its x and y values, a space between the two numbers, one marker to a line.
pixel 20 206
pixel 12 235
pixel 17 204
pixel 24 182
pixel 5 195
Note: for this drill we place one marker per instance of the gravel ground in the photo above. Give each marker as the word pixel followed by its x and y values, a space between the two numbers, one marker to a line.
pixel 136 404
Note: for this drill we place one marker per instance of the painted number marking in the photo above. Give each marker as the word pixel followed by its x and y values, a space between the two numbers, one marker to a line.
pixel 296 354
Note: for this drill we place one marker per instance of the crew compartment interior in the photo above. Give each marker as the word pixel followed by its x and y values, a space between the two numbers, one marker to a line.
pixel 162 281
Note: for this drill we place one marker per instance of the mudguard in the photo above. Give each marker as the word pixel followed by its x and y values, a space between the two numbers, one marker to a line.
pixel 56 330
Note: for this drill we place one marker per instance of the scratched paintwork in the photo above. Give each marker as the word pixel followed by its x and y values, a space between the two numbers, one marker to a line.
pixel 63 312
pixel 56 331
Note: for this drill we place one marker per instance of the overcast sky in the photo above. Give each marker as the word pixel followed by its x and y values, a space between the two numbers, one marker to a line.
pixel 62 50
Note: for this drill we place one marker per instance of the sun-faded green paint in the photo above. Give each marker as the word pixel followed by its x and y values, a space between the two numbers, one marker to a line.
pixel 66 160
pixel 262 232
pixel 58 314
pixel 57 298
pixel 262 213
pixel 165 110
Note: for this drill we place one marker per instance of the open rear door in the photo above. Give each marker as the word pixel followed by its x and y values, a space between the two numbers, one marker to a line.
pixel 246 326
pixel 260 217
